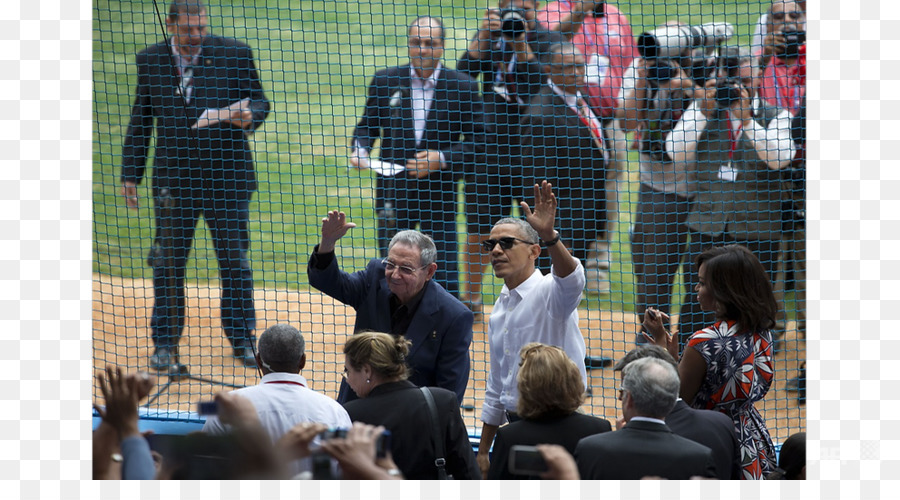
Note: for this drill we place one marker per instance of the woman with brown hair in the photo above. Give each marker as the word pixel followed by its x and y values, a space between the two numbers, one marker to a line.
pixel 728 366
pixel 375 368
pixel 550 393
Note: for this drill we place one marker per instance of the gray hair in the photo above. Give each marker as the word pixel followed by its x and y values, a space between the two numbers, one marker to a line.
pixel 653 385
pixel 646 351
pixel 280 348
pixel 415 239
pixel 525 228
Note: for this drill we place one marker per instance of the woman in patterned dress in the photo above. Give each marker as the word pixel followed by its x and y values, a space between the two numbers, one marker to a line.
pixel 728 366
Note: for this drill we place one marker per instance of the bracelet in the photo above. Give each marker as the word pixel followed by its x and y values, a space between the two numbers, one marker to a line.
pixel 548 244
pixel 394 472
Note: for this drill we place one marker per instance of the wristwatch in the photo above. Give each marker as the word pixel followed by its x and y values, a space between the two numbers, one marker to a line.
pixel 548 244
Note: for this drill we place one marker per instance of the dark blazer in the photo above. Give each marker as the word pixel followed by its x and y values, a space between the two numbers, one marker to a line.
pixel 642 449
pixel 216 160
pixel 554 139
pixel 565 431
pixel 713 430
pixel 440 332
pixel 400 407
pixel 454 123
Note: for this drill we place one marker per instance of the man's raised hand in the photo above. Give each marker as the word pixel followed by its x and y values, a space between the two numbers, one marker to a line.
pixel 544 215
pixel 334 227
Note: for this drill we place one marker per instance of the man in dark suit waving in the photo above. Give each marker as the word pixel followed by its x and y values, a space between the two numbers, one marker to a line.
pixel 645 446
pixel 202 95
pixel 397 295
pixel 430 122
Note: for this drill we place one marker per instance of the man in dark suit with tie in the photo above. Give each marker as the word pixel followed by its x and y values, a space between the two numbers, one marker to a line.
pixel 430 121
pixel 710 428
pixel 645 446
pixel 397 295
pixel 562 141
pixel 202 96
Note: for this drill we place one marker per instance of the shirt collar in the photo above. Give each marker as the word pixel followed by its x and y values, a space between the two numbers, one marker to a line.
pixel 431 81
pixel 284 376
pixel 570 99
pixel 647 419
pixel 413 303
pixel 526 286
pixel 182 57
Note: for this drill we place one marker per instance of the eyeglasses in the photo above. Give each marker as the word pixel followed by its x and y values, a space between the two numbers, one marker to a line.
pixel 404 270
pixel 506 243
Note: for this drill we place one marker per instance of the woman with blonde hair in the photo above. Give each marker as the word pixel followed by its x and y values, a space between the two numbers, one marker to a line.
pixel 375 368
pixel 551 391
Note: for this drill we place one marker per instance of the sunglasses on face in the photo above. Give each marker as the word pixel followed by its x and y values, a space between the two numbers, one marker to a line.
pixel 505 243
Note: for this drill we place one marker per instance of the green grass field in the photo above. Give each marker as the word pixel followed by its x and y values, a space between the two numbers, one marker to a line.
pixel 315 59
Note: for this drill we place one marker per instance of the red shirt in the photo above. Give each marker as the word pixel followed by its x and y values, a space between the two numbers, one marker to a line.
pixel 784 85
pixel 609 36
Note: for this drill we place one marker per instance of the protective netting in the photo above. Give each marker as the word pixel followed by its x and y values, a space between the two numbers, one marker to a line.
pixel 229 202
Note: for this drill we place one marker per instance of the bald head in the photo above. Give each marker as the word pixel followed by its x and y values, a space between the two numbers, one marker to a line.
pixel 426 44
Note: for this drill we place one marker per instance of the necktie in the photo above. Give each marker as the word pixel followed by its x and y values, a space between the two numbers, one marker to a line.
pixel 588 118
pixel 187 81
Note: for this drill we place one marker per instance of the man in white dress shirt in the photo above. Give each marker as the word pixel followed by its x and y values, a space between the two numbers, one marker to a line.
pixel 283 398
pixel 532 307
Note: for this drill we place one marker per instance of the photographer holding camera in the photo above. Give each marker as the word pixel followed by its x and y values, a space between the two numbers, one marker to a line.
pixel 735 145
pixel 784 56
pixel 656 89
pixel 505 53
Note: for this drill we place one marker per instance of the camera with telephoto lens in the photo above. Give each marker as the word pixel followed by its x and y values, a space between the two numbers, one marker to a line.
pixel 728 92
pixel 793 40
pixel 728 89
pixel 512 23
pixel 673 42
pixel 661 71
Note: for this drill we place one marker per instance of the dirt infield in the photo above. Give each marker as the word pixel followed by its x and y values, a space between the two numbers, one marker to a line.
pixel 121 315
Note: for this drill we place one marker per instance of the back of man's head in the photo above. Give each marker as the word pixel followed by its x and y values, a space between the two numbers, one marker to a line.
pixel 646 351
pixel 282 349
pixel 653 386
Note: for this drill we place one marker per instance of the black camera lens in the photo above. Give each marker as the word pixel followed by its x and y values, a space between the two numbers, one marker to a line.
pixel 793 40
pixel 660 72
pixel 512 23
pixel 728 92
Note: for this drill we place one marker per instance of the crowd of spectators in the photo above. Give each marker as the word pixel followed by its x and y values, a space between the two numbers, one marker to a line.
pixel 720 136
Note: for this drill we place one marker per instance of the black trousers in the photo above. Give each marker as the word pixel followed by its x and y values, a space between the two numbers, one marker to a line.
pixel 658 246
pixel 430 204
pixel 176 222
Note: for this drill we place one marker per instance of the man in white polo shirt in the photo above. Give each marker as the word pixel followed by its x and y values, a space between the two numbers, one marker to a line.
pixel 283 398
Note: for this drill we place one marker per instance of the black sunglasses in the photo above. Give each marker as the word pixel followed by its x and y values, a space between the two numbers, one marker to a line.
pixel 506 243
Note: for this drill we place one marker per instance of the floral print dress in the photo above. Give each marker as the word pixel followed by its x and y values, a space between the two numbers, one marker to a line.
pixel 739 372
